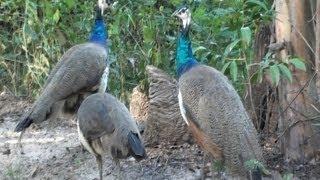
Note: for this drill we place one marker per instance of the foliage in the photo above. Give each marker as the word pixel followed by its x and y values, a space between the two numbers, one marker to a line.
pixel 218 166
pixel 276 68
pixel 253 164
pixel 12 172
pixel 35 35
pixel 287 176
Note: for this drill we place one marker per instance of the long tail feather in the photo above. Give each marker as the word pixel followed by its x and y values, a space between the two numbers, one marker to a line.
pixel 136 146
pixel 256 174
pixel 25 123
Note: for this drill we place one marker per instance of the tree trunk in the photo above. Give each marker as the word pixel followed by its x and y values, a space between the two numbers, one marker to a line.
pixel 317 51
pixel 298 100
pixel 161 115
pixel 262 101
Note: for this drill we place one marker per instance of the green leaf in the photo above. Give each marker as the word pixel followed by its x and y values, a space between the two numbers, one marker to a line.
pixel 114 29
pixel 259 3
pixel 257 76
pixel 285 71
pixel 148 34
pixel 225 66
pixel 199 48
pixel 234 70
pixel 70 3
pixel 245 35
pixel 260 76
pixel 287 176
pixel 254 78
pixel 230 47
pixel 275 74
pixel 56 16
pixel 298 63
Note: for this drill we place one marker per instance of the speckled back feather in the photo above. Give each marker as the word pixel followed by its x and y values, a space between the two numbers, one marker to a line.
pixel 79 70
pixel 218 111
pixel 101 116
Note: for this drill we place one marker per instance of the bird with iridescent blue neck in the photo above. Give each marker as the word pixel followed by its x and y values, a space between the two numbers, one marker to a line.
pixel 212 109
pixel 76 73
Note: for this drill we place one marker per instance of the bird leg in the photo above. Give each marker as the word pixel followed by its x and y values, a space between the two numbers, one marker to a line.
pixel 19 141
pixel 83 149
pixel 118 168
pixel 203 170
pixel 99 162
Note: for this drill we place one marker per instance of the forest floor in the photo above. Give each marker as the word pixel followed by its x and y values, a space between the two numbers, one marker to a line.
pixel 52 151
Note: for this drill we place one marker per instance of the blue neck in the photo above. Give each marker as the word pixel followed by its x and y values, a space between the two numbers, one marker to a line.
pixel 99 33
pixel 184 57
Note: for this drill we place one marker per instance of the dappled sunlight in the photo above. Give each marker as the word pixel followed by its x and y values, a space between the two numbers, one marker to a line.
pixel 14 134
pixel 38 140
pixel 243 74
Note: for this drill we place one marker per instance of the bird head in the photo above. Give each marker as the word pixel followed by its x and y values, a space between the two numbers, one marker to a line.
pixel 126 143
pixel 185 15
pixel 103 5
pixel 136 147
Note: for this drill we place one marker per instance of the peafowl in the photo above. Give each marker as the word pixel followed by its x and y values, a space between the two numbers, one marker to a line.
pixel 105 125
pixel 212 108
pixel 78 71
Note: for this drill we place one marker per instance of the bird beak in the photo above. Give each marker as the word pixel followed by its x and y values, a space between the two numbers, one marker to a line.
pixel 175 13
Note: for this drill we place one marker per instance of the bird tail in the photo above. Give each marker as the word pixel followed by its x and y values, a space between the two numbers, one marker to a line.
pixel 136 146
pixel 256 174
pixel 23 124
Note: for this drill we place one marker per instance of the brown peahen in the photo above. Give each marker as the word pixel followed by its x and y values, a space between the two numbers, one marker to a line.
pixel 106 126
pixel 78 71
pixel 212 108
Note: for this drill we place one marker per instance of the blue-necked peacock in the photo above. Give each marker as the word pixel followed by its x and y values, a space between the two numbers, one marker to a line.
pixel 78 71
pixel 212 108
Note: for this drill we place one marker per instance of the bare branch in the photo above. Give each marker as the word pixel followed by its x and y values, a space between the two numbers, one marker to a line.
pixel 294 124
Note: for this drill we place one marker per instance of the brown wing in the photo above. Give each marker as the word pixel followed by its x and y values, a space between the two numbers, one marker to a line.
pixel 79 70
pixel 193 87
pixel 219 113
pixel 94 117
pixel 63 59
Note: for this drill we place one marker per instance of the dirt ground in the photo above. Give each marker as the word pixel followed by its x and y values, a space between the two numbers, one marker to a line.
pixel 52 151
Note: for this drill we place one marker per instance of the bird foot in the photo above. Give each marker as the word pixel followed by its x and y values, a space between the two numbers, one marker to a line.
pixel 118 169
pixel 19 142
pixel 204 173
pixel 76 149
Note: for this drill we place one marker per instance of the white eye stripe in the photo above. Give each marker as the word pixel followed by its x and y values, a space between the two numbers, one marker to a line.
pixel 183 10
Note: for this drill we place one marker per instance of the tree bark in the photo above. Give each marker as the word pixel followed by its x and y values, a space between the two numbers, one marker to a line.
pixel 298 100
pixel 262 101
pixel 163 121
pixel 317 51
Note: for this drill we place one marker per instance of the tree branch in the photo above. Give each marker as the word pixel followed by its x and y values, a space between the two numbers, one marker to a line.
pixel 294 124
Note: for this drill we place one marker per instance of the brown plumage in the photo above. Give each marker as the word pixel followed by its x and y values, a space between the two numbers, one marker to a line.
pixel 205 141
pixel 106 126
pixel 78 71
pixel 215 109
pixel 212 108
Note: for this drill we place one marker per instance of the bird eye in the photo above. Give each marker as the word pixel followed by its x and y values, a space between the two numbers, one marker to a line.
pixel 183 10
